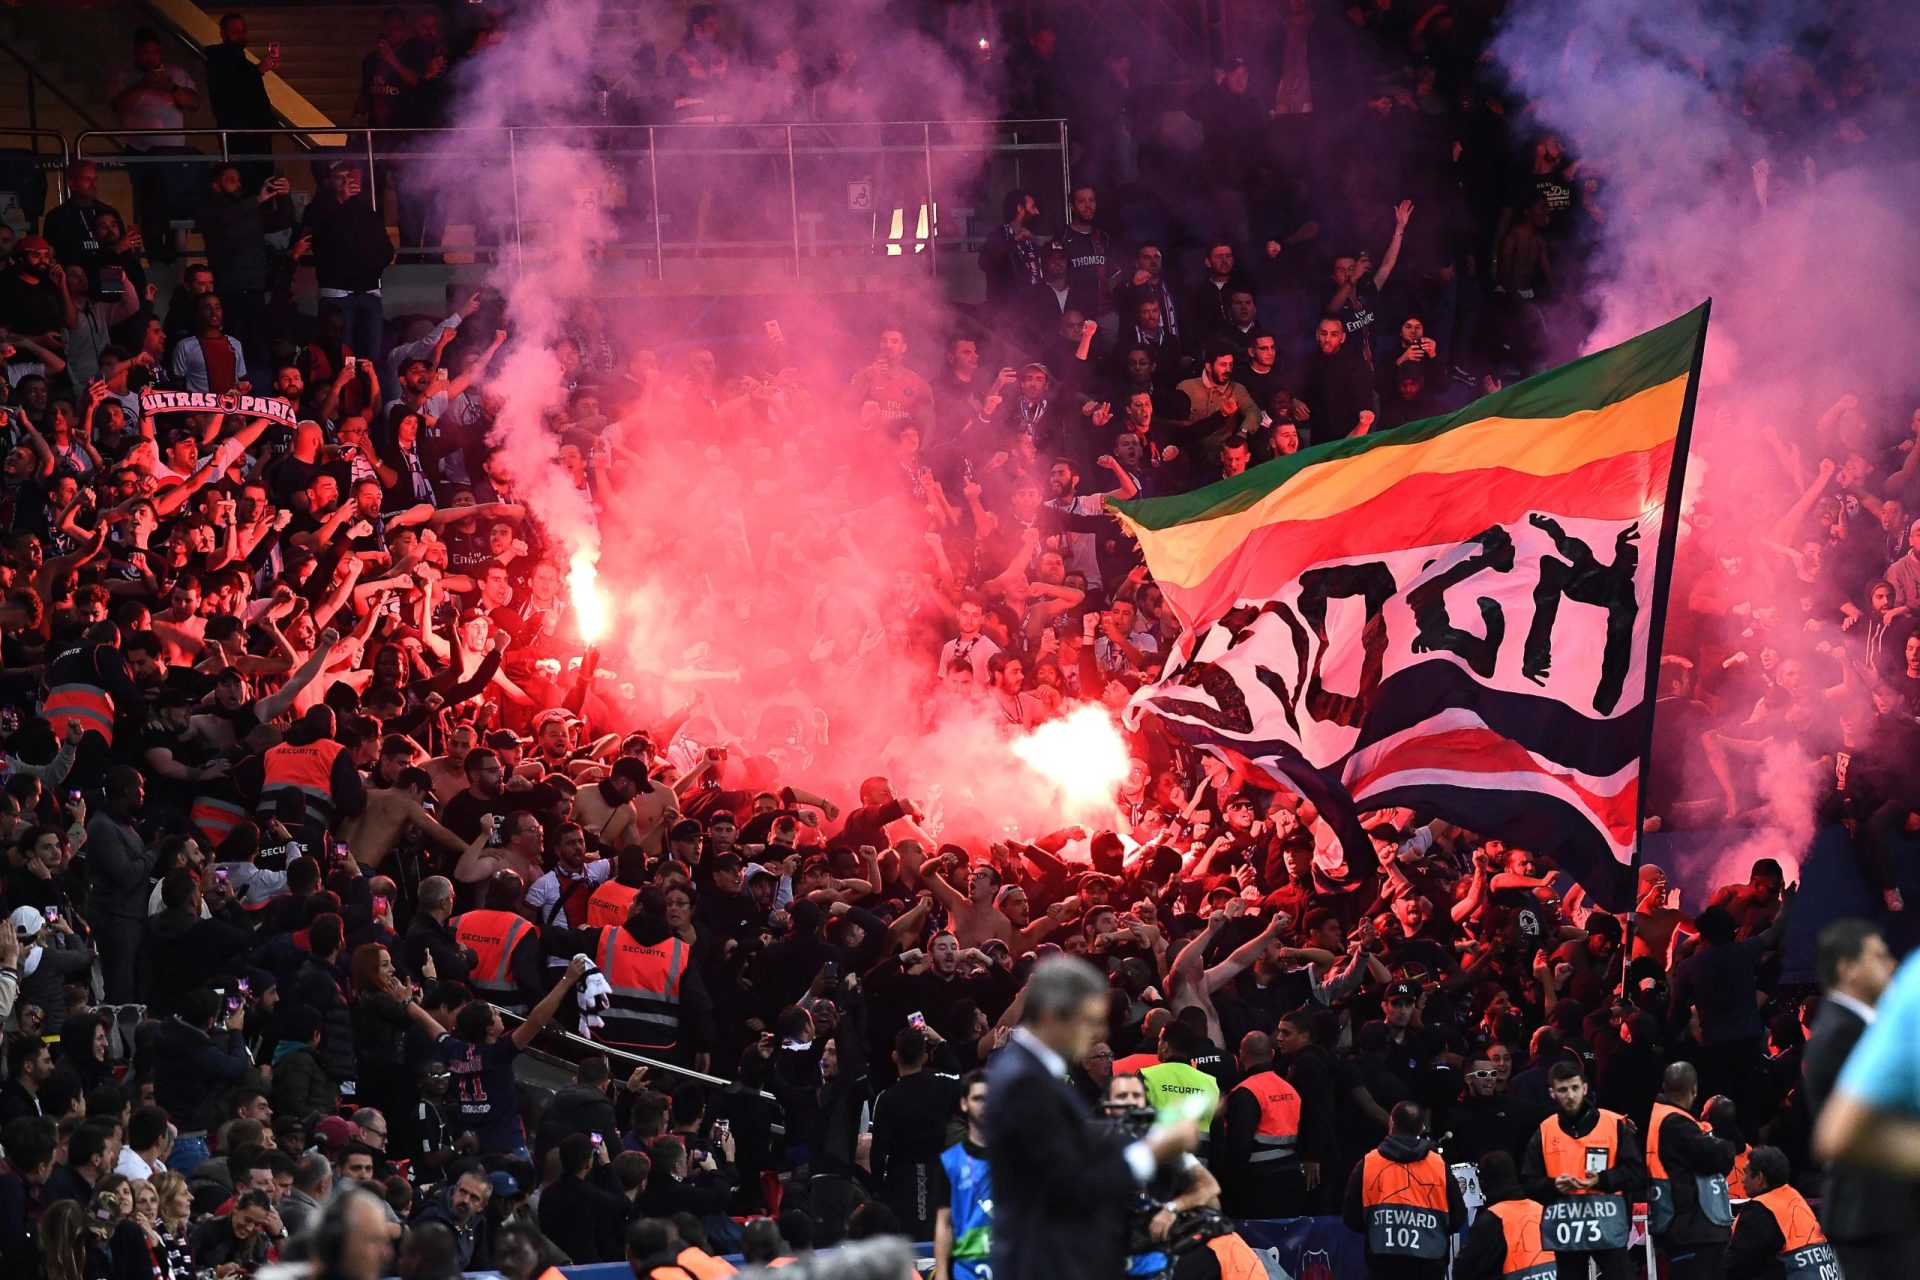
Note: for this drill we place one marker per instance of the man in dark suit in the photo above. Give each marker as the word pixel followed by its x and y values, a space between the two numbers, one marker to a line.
pixel 1061 1185
pixel 1868 1218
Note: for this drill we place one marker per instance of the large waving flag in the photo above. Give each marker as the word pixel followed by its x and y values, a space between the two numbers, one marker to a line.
pixel 1460 615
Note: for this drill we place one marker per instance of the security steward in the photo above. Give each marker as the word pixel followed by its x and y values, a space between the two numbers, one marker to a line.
pixel 1584 1165
pixel 1504 1241
pixel 505 944
pixel 1689 1209
pixel 317 772
pixel 1404 1200
pixel 1256 1136
pixel 658 1003
pixel 87 680
pixel 612 900
pixel 1775 1234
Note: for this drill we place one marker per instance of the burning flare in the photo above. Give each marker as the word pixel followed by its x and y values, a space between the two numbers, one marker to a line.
pixel 589 603
pixel 1082 754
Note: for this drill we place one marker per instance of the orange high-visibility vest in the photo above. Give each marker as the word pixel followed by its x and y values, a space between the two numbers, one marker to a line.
pixel 1661 1110
pixel 492 936
pixel 1737 1180
pixel 1807 1255
pixel 1406 1204
pixel 1526 1258
pixel 216 818
pixel 1567 1156
pixel 610 904
pixel 1584 1220
pixel 1134 1063
pixel 644 1008
pixel 1276 1138
pixel 1237 1259
pixel 91 705
pixel 703 1266
pixel 306 769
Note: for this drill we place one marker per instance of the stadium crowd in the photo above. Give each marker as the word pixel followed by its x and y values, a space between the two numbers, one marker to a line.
pixel 319 811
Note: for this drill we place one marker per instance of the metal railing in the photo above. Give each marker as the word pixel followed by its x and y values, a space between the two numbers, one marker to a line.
pixel 618 1053
pixel 805 196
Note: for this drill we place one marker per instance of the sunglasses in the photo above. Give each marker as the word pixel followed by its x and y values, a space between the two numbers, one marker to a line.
pixel 1483 1075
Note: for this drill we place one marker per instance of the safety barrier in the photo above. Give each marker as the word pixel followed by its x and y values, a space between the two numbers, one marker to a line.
pixel 805 197
pixel 1320 1248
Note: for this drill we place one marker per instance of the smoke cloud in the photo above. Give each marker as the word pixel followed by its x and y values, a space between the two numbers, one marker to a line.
pixel 1746 152
pixel 766 545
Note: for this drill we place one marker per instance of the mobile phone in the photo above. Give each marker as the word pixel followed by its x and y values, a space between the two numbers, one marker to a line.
pixel 220 875
pixel 917 1020
pixel 379 906
pixel 722 1128
pixel 246 987
pixel 831 968
pixel 52 913
pixel 73 796
pixel 339 850
pixel 233 1004
pixel 773 330
pixel 597 1139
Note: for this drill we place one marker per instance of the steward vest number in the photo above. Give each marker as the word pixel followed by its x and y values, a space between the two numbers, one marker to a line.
pixel 1583 1224
pixel 1406 1206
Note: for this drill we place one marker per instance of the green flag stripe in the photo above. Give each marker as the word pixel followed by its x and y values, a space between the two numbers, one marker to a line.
pixel 1591 382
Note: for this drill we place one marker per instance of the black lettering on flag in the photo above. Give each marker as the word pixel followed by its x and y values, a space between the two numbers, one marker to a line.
pixel 1429 604
pixel 1584 580
pixel 1229 716
pixel 1373 583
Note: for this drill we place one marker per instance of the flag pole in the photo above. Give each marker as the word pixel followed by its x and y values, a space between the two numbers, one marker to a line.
pixel 1657 625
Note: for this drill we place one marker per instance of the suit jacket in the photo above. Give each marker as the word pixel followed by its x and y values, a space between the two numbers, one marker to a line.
pixel 1061 1185
pixel 1855 1204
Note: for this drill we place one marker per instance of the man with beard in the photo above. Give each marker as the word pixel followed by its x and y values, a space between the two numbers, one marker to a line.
pixel 33 294
pixel 1010 258
pixel 1486 1119
pixel 1088 250
pixel 1584 1164
pixel 1335 384
pixel 1081 549
pixel 1217 406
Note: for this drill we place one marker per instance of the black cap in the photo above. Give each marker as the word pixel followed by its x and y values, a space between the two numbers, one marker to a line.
pixel 503 740
pixel 686 829
pixel 1403 990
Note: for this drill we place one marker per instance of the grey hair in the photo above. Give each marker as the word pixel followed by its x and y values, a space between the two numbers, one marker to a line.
pixel 435 892
pixel 1060 986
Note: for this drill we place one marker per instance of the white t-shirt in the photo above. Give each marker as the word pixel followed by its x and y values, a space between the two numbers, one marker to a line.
pixel 151 109
pixel 546 891
pixel 1081 552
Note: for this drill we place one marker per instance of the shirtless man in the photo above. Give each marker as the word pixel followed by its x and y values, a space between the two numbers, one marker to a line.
pixel 446 772
pixel 238 716
pixel 391 814
pixel 606 809
pixel 975 917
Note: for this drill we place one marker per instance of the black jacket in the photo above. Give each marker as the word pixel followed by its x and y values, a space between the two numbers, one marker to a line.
pixel 1480 1125
pixel 350 245
pixel 576 1108
pixel 1855 1205
pixel 586 1221
pixel 1061 1184
pixel 1686 1150
pixel 190 1067
pixel 428 937
pixel 195 949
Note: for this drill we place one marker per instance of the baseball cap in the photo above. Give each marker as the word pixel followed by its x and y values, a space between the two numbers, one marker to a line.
pixel 725 862
pixel 335 1132
pixel 27 920
pixel 504 1183
pixel 633 769
pixel 724 816
pixel 551 714
pixel 25 243
pixel 503 740
pixel 1403 990
pixel 688 829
